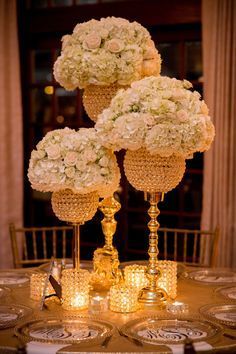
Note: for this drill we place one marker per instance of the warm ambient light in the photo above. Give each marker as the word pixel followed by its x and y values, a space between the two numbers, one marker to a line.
pixel 123 298
pixel 48 90
pixel 177 308
pixel 135 275
pixel 37 283
pixel 168 279
pixel 75 289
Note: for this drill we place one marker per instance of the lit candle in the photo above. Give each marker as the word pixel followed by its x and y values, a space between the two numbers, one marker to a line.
pixel 177 307
pixel 75 289
pixel 124 298
pixel 98 303
pixel 135 276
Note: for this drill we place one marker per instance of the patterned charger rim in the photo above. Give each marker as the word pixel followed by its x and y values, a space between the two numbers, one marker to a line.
pixel 221 288
pixel 12 323
pixel 203 311
pixel 27 337
pixel 124 329
pixel 187 276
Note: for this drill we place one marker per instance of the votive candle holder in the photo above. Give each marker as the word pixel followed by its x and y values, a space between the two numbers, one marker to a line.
pixel 168 278
pixel 135 276
pixel 75 289
pixel 177 308
pixel 124 298
pixel 37 285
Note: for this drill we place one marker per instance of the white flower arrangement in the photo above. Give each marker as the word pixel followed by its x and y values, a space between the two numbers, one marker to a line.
pixel 110 51
pixel 69 159
pixel 159 114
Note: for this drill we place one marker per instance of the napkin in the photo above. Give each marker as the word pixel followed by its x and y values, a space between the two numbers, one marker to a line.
pixel 43 348
pixel 199 346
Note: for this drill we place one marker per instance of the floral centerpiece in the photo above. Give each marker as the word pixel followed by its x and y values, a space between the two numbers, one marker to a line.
pixel 66 159
pixel 112 50
pixel 160 123
pixel 77 169
pixel 159 114
pixel 102 56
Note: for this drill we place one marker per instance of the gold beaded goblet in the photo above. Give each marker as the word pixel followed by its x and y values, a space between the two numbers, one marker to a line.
pixel 154 175
pixel 75 208
pixel 97 97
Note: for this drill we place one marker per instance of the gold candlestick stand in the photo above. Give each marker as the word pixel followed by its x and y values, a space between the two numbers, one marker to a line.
pixel 105 259
pixel 152 294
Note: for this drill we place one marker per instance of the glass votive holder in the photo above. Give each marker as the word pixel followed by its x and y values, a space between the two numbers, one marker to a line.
pixel 98 303
pixel 124 298
pixel 75 289
pixel 177 308
pixel 37 284
pixel 168 279
pixel 135 276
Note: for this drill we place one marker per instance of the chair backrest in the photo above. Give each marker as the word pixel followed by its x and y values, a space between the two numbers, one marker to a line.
pixel 36 245
pixel 193 247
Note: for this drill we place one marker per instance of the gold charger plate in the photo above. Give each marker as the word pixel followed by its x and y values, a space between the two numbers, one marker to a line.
pixel 227 292
pixel 11 314
pixel 223 313
pixel 162 330
pixel 14 279
pixel 66 330
pixel 211 276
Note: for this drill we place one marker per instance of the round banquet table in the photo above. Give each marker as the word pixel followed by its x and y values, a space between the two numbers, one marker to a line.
pixel 192 293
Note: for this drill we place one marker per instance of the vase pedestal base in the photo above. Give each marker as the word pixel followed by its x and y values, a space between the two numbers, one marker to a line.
pixel 153 297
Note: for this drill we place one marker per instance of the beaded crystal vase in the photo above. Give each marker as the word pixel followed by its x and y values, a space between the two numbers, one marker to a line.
pixel 97 97
pixel 75 208
pixel 155 175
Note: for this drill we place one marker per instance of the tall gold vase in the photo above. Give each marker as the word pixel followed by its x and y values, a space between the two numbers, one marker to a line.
pixel 106 261
pixel 153 175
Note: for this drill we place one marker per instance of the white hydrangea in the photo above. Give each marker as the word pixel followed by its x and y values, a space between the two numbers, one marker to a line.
pixel 160 114
pixel 71 159
pixel 112 50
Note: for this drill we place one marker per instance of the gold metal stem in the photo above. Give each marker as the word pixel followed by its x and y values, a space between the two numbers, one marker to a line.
pixel 105 259
pixel 76 245
pixel 109 206
pixel 152 295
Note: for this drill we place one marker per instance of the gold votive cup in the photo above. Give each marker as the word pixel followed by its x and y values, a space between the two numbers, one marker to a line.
pixel 168 279
pixel 124 298
pixel 37 284
pixel 75 289
pixel 135 276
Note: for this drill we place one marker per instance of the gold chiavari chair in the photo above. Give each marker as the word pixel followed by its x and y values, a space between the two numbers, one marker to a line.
pixel 36 245
pixel 192 247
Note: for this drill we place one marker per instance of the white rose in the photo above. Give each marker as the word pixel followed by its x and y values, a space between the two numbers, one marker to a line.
pixel 81 165
pixel 104 161
pixel 38 154
pixel 71 158
pixel 182 115
pixel 93 40
pixel 53 152
pixel 70 172
pixel 115 45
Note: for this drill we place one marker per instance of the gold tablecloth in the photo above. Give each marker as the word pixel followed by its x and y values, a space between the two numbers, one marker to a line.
pixel 194 294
